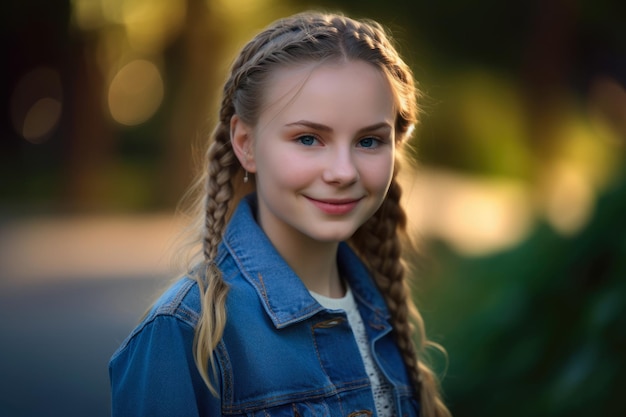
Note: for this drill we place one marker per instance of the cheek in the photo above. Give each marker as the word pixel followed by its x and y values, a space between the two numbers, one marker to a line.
pixel 283 168
pixel 376 174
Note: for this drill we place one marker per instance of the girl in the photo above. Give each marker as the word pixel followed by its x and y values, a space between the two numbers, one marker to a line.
pixel 300 305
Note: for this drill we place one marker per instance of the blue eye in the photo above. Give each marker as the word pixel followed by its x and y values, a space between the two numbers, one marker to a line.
pixel 369 143
pixel 307 140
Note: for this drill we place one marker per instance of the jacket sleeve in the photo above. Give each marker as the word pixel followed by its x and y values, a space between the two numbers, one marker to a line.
pixel 154 374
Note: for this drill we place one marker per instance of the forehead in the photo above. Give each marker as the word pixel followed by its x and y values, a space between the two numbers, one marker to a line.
pixel 346 93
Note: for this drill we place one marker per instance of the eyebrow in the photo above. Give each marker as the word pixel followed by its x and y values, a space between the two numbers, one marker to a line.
pixel 324 128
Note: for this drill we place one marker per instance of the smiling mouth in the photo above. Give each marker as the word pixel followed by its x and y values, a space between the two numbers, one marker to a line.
pixel 335 206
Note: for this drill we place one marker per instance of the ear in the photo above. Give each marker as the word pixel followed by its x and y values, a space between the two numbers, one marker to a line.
pixel 242 141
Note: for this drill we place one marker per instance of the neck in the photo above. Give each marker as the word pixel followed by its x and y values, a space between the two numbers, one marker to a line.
pixel 314 262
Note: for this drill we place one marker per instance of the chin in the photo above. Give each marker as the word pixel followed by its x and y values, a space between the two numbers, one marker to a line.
pixel 334 237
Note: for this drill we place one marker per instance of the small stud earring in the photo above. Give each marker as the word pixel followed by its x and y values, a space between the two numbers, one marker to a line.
pixel 245 178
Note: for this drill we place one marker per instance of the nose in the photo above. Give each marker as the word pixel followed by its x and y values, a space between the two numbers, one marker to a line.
pixel 341 168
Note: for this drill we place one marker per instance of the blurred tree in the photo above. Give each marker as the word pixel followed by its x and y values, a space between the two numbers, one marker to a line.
pixel 539 330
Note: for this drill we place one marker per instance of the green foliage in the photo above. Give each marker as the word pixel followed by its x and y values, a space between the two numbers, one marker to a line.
pixel 539 330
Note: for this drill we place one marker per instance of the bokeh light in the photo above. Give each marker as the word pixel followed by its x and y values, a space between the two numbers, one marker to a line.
pixel 36 104
pixel 135 93
pixel 569 199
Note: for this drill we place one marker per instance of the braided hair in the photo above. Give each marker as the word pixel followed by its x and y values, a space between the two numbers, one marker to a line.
pixel 303 38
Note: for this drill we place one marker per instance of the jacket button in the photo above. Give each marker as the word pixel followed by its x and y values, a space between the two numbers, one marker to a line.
pixel 329 323
pixel 361 413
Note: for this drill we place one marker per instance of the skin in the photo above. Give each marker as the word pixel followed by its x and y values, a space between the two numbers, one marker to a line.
pixel 323 154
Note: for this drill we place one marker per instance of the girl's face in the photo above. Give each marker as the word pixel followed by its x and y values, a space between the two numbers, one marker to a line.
pixel 322 150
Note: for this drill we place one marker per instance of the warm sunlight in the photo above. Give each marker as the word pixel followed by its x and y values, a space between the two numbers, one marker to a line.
pixel 135 92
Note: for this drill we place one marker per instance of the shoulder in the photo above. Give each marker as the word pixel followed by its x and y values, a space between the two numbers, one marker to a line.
pixel 180 301
pixel 178 307
pixel 153 373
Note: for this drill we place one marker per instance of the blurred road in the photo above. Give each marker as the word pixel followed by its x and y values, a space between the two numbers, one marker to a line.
pixel 58 329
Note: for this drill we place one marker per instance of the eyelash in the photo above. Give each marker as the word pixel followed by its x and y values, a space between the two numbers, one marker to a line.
pixel 376 142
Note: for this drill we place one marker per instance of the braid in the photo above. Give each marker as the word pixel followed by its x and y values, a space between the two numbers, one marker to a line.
pixel 378 242
pixel 222 166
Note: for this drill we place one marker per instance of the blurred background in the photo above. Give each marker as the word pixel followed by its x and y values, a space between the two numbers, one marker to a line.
pixel 518 201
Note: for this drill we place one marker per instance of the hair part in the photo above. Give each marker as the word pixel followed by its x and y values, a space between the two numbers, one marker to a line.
pixel 296 40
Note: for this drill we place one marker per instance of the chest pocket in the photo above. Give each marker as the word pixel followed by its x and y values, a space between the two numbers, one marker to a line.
pixel 303 409
pixel 410 408
pixel 322 408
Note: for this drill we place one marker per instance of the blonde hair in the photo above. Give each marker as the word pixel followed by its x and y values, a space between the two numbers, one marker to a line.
pixel 303 38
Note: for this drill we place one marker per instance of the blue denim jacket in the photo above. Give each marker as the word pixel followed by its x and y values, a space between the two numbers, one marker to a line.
pixel 282 353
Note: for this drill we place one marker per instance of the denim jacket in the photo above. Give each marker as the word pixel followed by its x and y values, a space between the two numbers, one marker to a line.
pixel 281 354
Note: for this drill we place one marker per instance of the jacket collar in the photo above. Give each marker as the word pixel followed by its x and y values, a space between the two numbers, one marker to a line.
pixel 281 292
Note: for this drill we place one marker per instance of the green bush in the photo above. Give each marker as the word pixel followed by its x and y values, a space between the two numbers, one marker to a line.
pixel 539 330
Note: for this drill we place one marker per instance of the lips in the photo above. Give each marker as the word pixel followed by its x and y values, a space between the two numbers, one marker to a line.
pixel 335 206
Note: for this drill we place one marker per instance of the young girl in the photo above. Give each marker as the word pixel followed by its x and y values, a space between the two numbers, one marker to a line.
pixel 300 306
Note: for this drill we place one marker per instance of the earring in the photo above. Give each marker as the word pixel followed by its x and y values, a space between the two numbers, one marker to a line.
pixel 245 177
